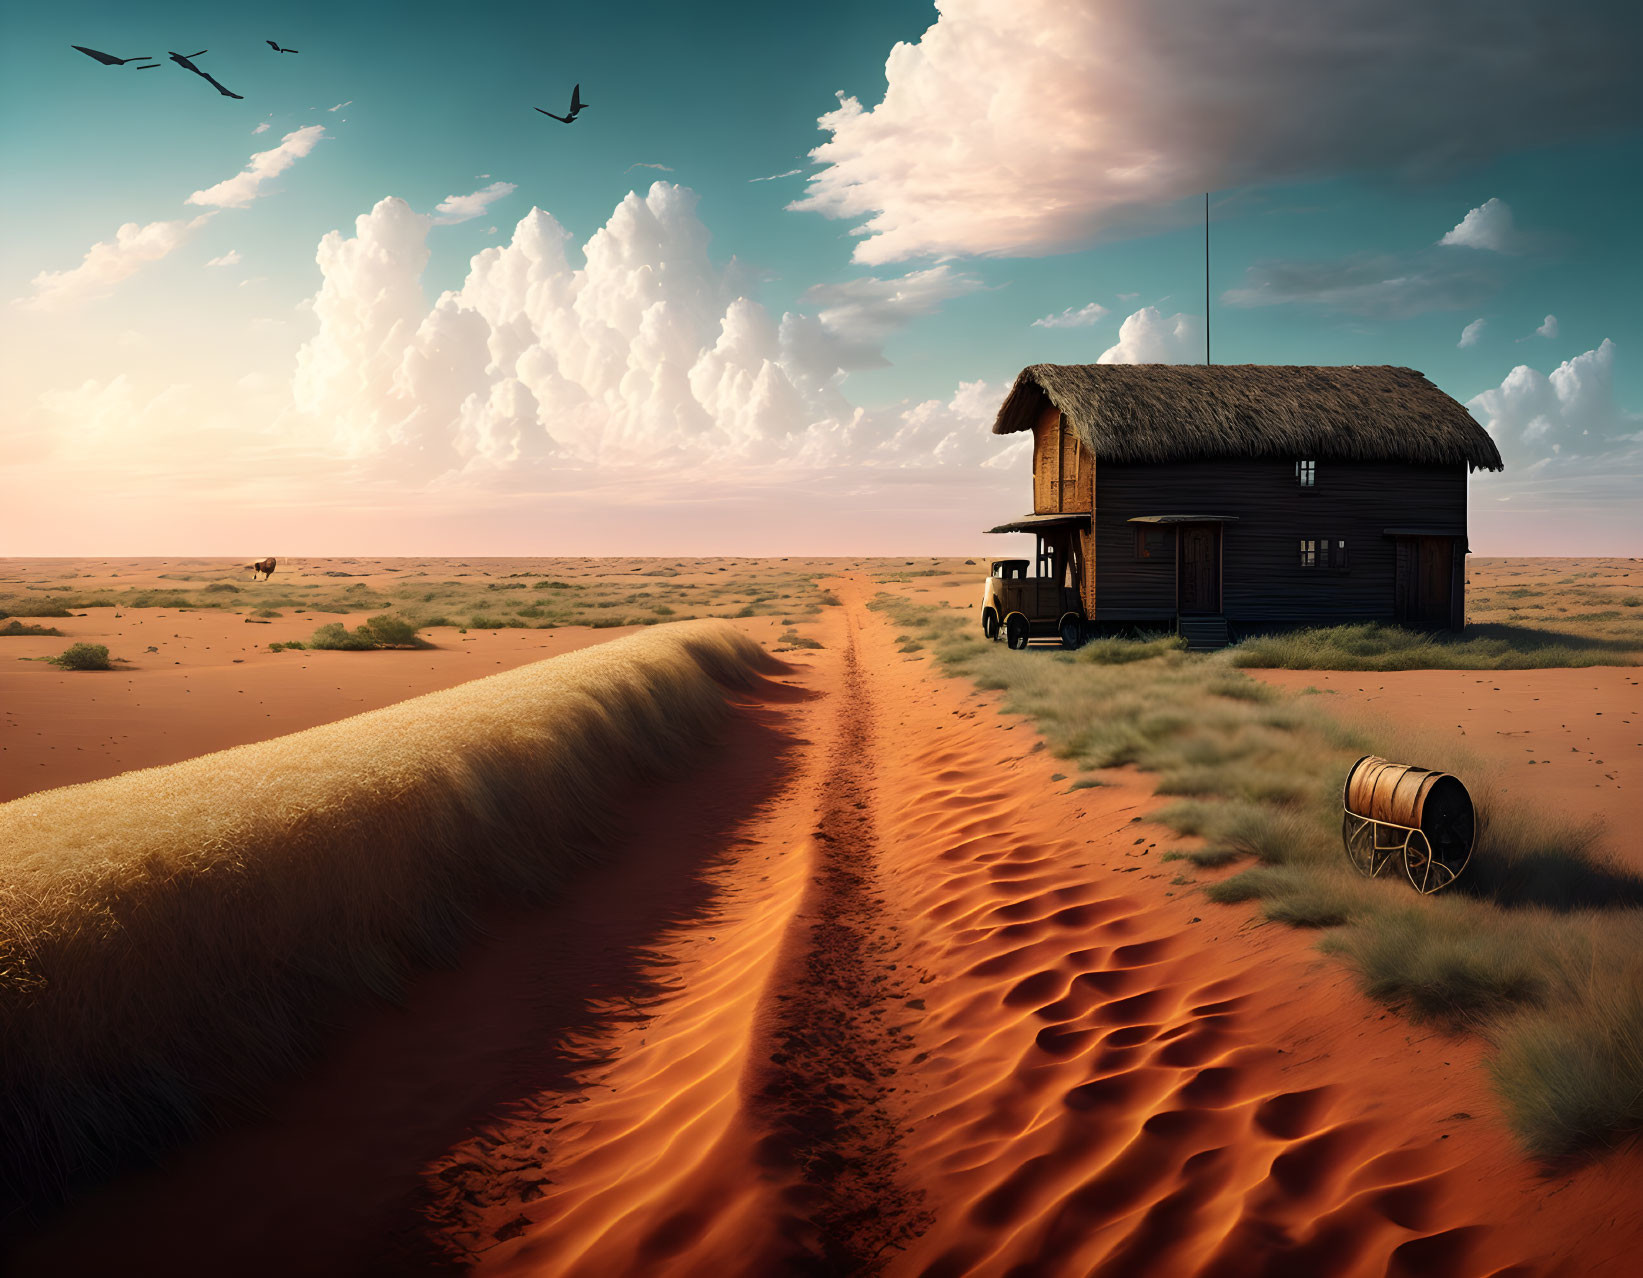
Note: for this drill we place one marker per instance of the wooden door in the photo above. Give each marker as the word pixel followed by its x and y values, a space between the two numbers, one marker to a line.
pixel 1433 558
pixel 1198 570
pixel 1423 592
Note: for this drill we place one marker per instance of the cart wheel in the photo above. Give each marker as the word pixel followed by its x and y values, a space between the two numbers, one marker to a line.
pixel 989 624
pixel 1015 632
pixel 1072 633
pixel 1427 873
pixel 1359 838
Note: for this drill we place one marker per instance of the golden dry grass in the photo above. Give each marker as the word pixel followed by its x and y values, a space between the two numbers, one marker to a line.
pixel 171 939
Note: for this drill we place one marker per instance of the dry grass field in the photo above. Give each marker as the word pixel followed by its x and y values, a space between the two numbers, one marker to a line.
pixel 899 972
pixel 193 669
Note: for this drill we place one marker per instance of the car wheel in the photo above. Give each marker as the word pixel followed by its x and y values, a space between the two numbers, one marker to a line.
pixel 1015 632
pixel 989 624
pixel 1072 633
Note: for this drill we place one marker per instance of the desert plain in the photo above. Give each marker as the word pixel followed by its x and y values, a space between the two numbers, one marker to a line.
pixel 877 981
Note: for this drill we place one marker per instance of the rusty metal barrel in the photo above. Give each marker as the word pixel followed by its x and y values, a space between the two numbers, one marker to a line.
pixel 1434 805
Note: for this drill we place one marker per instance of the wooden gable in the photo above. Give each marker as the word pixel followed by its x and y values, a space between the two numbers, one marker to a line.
pixel 1063 470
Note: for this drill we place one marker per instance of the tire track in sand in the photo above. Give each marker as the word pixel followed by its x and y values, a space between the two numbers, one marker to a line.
pixel 826 1091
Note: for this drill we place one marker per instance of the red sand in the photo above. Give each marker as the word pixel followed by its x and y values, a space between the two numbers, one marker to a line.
pixel 213 683
pixel 874 991
pixel 1570 741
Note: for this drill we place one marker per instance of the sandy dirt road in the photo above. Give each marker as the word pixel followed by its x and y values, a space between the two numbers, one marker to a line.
pixel 873 992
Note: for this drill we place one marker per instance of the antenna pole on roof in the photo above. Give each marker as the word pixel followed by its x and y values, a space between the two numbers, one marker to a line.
pixel 1206 277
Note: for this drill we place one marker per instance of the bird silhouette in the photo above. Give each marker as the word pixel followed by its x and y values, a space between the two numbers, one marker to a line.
pixel 108 59
pixel 576 106
pixel 276 48
pixel 184 62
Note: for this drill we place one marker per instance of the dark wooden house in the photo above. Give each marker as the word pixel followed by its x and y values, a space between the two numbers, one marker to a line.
pixel 1235 498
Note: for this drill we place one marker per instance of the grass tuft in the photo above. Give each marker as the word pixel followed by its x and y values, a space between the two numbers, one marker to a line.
pixel 378 632
pixel 83 656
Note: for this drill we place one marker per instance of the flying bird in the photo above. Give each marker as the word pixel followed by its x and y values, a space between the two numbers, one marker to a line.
pixel 187 65
pixel 576 105
pixel 108 59
pixel 276 48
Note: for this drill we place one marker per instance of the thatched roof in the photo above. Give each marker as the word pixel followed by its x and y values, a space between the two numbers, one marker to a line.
pixel 1192 412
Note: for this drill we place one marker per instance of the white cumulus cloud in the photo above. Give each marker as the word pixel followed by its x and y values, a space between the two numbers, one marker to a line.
pixel 238 191
pixel 647 355
pixel 108 262
pixel 1534 416
pixel 1548 327
pixel 1023 127
pixel 1147 337
pixel 461 208
pixel 1471 333
pixel 230 258
pixel 1073 317
pixel 1489 226
pixel 261 128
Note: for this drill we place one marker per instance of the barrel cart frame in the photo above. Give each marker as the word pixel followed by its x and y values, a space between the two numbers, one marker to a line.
pixel 1374 843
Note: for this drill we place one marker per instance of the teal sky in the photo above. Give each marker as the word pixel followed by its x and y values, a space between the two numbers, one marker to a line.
pixel 169 405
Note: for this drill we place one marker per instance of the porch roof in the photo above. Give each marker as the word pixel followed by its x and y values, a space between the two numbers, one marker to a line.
pixel 1037 523
pixel 1184 519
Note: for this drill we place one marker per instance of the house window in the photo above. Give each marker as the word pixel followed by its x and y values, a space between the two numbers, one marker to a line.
pixel 1151 543
pixel 1324 552
pixel 1306 473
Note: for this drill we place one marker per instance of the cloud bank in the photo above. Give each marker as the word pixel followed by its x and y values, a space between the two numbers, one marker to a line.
pixel 1026 127
pixel 647 355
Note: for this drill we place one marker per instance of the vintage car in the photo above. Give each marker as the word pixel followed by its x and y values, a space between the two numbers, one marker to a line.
pixel 1023 608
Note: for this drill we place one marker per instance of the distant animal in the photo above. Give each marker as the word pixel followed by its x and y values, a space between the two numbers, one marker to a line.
pixel 576 106
pixel 184 61
pixel 264 566
pixel 276 48
pixel 108 59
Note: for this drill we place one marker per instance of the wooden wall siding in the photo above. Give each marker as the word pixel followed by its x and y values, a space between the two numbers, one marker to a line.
pixel 1077 472
pixel 1047 462
pixel 1063 470
pixel 1087 549
pixel 1263 581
